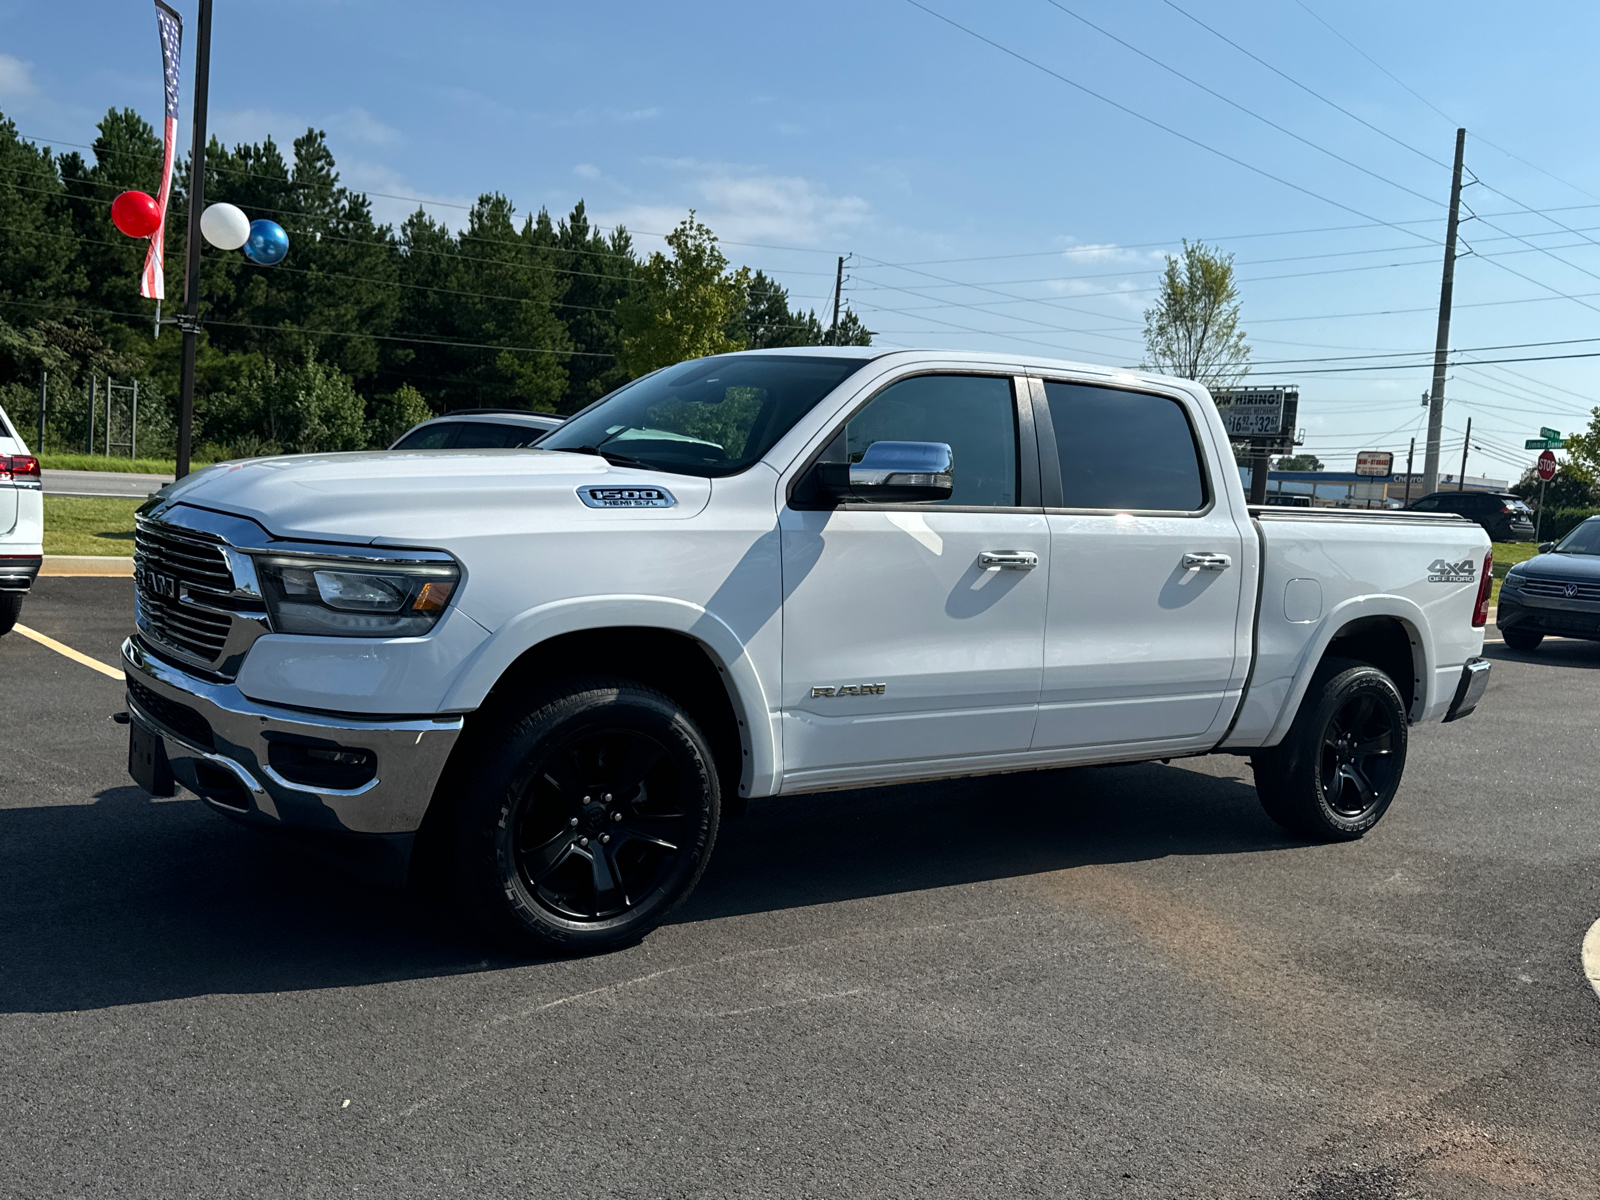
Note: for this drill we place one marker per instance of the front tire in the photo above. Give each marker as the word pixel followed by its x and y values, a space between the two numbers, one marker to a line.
pixel 1521 640
pixel 586 819
pixel 10 609
pixel 1337 772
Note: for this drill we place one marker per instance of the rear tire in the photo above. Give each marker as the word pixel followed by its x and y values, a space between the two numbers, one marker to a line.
pixel 1522 640
pixel 10 607
pixel 584 819
pixel 1336 773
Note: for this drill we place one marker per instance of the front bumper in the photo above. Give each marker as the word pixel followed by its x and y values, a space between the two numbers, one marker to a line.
pixel 1541 614
pixel 1474 681
pixel 218 744
pixel 18 571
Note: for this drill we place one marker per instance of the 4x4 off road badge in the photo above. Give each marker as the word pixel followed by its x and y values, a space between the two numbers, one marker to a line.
pixel 1440 571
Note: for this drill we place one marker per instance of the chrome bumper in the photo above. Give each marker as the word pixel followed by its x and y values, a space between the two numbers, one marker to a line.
pixel 18 571
pixel 234 773
pixel 1474 680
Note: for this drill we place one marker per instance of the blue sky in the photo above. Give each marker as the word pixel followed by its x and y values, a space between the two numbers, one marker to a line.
pixel 985 202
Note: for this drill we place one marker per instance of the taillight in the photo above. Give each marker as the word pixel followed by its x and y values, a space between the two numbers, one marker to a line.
pixel 19 467
pixel 1480 614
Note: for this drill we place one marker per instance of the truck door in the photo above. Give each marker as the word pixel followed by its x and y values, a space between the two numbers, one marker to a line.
pixel 1140 639
pixel 915 632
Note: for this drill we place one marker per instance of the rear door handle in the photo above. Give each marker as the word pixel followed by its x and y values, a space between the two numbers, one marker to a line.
pixel 1206 562
pixel 1009 560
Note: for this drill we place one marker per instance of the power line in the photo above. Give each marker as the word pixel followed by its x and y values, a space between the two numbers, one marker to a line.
pixel 1153 122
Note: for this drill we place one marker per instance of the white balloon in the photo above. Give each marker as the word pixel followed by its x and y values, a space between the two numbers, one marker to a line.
pixel 225 226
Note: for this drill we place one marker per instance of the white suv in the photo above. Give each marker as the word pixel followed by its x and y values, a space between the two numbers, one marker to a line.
pixel 21 522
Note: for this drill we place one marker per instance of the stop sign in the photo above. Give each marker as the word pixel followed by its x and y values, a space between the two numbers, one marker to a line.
pixel 1547 466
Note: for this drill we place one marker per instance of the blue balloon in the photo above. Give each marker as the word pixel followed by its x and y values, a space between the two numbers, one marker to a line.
pixel 268 243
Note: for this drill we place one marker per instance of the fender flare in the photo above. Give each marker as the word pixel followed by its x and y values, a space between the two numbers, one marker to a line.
pixel 1407 612
pixel 728 653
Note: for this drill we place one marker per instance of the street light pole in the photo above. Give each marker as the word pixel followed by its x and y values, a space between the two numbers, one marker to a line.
pixel 189 322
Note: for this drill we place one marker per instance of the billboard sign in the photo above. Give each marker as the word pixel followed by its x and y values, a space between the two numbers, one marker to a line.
pixel 1379 464
pixel 1251 412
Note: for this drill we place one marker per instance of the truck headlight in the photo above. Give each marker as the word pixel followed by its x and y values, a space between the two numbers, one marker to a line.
pixel 347 598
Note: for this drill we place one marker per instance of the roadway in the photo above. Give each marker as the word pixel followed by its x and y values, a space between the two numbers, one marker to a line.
pixel 1089 983
pixel 100 484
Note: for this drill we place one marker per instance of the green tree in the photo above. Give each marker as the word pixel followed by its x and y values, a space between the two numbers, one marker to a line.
pixel 1193 329
pixel 684 304
pixel 600 273
pixel 392 415
pixel 1298 462
pixel 38 253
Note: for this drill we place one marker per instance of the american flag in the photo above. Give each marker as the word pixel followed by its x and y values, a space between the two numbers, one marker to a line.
pixel 153 282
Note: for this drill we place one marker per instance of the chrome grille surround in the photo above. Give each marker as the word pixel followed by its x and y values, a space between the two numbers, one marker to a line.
pixel 195 597
pixel 1556 589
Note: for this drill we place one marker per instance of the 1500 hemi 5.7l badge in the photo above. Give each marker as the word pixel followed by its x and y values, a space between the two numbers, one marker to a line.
pixel 626 497
pixel 1465 571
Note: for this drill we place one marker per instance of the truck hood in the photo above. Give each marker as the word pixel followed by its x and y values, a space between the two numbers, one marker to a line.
pixel 423 496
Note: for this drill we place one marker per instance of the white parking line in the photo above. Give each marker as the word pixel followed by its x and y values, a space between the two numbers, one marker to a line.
pixel 1591 956
pixel 94 664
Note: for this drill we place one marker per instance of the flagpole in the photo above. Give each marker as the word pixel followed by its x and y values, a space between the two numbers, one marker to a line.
pixel 189 322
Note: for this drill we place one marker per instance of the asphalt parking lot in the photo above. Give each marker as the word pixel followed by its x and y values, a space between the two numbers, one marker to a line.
pixel 1099 982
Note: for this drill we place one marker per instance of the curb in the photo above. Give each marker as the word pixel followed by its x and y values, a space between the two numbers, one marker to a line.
pixel 59 566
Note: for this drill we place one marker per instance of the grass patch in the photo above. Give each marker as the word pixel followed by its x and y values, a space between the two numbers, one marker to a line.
pixel 85 525
pixel 1507 555
pixel 99 462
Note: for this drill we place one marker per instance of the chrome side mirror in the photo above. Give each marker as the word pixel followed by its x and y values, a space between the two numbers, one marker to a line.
pixel 893 473
pixel 1546 547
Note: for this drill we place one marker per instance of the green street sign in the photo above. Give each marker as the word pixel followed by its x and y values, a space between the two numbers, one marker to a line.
pixel 1536 444
pixel 1546 432
pixel 1555 443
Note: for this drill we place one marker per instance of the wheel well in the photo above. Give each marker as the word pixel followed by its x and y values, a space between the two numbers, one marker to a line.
pixel 672 663
pixel 1385 642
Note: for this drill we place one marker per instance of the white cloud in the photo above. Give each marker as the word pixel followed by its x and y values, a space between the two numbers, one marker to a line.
pixel 744 205
pixel 639 114
pixel 586 171
pixel 360 125
pixel 387 209
pixel 16 78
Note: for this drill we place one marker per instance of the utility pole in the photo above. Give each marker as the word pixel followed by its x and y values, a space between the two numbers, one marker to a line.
pixel 838 284
pixel 1410 454
pixel 1461 484
pixel 1441 350
pixel 189 322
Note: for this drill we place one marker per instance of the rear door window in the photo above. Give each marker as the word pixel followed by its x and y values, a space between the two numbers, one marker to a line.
pixel 1124 451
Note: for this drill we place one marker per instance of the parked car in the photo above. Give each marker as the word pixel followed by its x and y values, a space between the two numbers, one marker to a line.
pixel 1505 517
pixel 770 573
pixel 21 522
pixel 478 429
pixel 1556 594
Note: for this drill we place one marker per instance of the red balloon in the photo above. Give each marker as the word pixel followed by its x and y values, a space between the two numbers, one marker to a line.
pixel 136 214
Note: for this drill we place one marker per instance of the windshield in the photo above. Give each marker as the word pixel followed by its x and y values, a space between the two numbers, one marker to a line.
pixel 708 416
pixel 1585 539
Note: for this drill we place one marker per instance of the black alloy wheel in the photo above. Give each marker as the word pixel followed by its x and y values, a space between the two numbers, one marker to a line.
pixel 1358 767
pixel 581 817
pixel 601 824
pixel 1336 773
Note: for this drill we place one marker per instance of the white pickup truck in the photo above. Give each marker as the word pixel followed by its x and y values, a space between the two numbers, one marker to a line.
pixel 545 674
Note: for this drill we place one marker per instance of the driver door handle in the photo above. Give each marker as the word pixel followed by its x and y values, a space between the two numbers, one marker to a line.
pixel 1009 560
pixel 1206 562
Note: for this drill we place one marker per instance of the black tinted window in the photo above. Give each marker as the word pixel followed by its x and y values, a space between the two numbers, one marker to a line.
pixel 485 435
pixel 429 437
pixel 1125 451
pixel 1426 504
pixel 972 414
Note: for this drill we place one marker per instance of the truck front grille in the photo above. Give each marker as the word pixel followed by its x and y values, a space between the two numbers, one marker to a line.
pixel 170 572
pixel 1562 589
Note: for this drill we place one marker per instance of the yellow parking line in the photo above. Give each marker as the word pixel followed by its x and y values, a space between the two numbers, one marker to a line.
pixel 94 664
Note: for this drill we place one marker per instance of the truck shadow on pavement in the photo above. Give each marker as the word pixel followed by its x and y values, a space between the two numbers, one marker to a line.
pixel 1552 652
pixel 129 900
